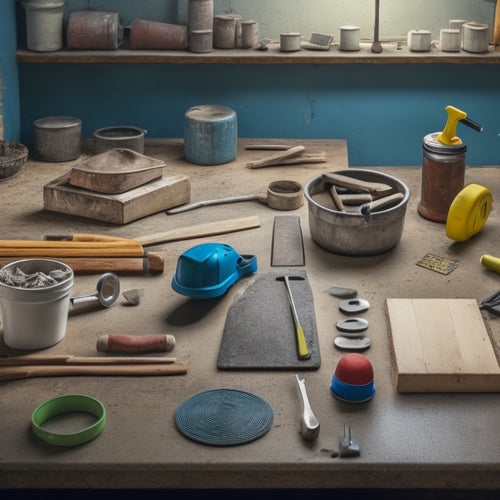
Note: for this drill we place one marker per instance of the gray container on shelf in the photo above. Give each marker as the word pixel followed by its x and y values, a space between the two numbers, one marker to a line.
pixel 35 318
pixel 200 15
pixel 57 138
pixel 119 137
pixel 44 24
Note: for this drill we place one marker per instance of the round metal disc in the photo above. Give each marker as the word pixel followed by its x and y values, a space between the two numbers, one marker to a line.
pixel 352 327
pixel 350 344
pixel 354 306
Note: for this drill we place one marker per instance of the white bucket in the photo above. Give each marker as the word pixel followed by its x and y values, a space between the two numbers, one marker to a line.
pixel 44 24
pixel 35 318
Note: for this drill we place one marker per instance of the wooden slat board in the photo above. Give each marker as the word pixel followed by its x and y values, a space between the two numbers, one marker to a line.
pixel 441 345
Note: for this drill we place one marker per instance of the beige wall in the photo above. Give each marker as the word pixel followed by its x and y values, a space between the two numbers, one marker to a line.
pixel 397 17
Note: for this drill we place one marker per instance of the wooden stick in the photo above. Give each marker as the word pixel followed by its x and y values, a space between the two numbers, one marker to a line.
pixel 336 199
pixel 21 372
pixel 183 233
pixel 69 359
pixel 274 159
pixel 496 26
pixel 357 184
pixel 151 263
pixel 267 147
pixel 355 199
pixel 303 159
pixel 201 230
pixel 27 248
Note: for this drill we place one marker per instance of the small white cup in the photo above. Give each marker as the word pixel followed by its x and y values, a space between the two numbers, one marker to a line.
pixel 290 42
pixel 475 37
pixel 419 40
pixel 450 40
pixel 349 38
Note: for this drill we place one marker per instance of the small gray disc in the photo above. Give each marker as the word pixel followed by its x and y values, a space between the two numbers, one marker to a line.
pixel 352 327
pixel 354 306
pixel 342 293
pixel 349 344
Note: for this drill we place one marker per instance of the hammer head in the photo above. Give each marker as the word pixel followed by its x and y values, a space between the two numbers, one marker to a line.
pixel 291 278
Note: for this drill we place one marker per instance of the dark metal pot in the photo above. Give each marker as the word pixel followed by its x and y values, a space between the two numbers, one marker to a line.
pixel 119 137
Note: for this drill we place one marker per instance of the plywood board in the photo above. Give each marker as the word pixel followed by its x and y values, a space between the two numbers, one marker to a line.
pixel 441 345
pixel 153 197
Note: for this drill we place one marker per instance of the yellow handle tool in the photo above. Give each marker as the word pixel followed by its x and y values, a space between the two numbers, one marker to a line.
pixel 449 134
pixel 490 262
pixel 302 350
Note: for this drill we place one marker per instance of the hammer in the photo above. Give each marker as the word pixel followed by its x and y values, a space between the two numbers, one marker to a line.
pixel 302 351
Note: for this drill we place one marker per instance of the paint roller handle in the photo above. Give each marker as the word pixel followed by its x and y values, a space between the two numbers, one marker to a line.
pixel 490 262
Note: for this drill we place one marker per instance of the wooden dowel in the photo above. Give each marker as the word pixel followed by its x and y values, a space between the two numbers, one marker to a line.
pixel 21 372
pixel 274 159
pixel 26 248
pixel 69 359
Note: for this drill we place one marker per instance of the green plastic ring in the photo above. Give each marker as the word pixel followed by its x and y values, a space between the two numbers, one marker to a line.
pixel 65 404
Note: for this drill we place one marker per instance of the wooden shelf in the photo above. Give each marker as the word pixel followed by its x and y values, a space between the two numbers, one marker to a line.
pixel 393 53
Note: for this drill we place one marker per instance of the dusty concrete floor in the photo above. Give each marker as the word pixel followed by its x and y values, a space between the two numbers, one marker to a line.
pixel 446 441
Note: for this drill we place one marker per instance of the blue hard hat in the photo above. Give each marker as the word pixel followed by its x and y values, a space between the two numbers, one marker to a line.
pixel 208 270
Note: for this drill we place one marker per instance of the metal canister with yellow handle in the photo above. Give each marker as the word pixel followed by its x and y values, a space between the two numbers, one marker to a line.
pixel 443 168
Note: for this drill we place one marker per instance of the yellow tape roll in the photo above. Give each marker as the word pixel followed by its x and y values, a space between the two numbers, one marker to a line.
pixel 468 212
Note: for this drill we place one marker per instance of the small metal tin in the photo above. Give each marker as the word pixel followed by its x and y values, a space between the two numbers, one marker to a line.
pixel 119 137
pixel 201 41
pixel 290 42
pixel 57 138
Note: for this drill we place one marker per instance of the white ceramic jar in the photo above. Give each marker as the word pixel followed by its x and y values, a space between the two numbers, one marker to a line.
pixel 419 40
pixel 450 40
pixel 349 38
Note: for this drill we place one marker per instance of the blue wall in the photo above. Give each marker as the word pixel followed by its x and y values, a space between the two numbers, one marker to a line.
pixel 10 84
pixel 382 110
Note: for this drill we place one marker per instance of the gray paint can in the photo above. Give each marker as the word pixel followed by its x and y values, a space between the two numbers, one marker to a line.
pixel 57 138
pixel 200 14
pixel 44 24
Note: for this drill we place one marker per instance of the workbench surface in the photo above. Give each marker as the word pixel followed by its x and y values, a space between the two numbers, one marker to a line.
pixel 407 440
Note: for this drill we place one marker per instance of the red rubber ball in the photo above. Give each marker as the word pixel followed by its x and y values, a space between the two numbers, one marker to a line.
pixel 354 369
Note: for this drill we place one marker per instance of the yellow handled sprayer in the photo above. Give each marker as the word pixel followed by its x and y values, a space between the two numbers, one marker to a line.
pixel 443 168
pixel 449 134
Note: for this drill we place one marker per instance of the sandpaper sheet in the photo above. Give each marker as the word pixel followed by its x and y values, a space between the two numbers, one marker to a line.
pixel 259 332
pixel 288 245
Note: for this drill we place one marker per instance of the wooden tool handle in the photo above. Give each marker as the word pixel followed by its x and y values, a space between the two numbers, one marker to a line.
pixel 69 359
pixel 81 237
pixel 27 248
pixel 20 372
pixel 496 26
pixel 153 262
pixel 199 231
pixel 135 343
